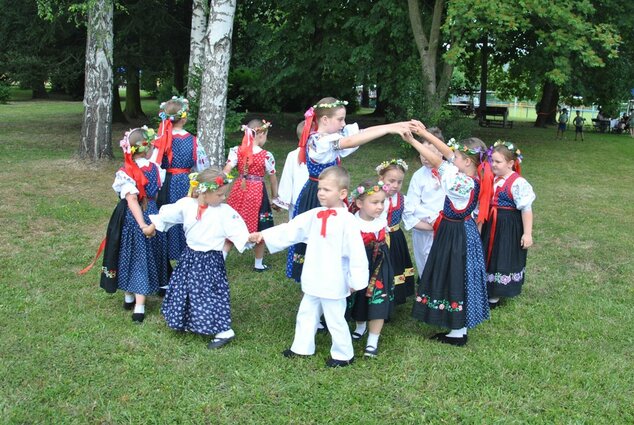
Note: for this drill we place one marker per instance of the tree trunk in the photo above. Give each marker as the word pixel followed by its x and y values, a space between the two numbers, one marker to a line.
pixel 437 86
pixel 547 107
pixel 365 93
pixel 484 77
pixel 133 107
pixel 200 9
pixel 117 112
pixel 215 79
pixel 96 132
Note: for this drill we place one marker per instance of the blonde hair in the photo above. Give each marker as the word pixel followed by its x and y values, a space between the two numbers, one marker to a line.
pixel 327 112
pixel 472 143
pixel 257 124
pixel 339 174
pixel 209 175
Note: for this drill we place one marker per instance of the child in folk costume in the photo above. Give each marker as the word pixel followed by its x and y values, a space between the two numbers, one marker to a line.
pixel 179 154
pixel 507 233
pixel 325 140
pixel 294 177
pixel 197 299
pixel 136 265
pixel 452 290
pixel 426 197
pixel 375 304
pixel 335 266
pixel 392 173
pixel 248 195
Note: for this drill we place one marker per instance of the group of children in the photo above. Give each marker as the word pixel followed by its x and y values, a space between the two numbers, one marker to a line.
pixel 468 208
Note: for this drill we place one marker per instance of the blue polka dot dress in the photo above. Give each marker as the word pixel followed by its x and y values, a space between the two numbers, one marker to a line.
pixel 197 299
pixel 452 292
pixel 143 262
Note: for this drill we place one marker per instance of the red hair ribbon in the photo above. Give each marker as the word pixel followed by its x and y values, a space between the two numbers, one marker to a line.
pixel 164 141
pixel 309 116
pixel 246 148
pixel 486 190
pixel 133 170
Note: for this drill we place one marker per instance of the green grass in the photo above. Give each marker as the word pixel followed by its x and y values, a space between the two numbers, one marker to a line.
pixel 70 353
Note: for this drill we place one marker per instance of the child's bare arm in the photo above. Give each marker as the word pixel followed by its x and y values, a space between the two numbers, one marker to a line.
pixel 256 237
pixel 150 230
pixel 421 130
pixel 527 221
pixel 433 159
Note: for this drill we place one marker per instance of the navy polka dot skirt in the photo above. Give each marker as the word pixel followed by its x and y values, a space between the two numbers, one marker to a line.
pixel 197 299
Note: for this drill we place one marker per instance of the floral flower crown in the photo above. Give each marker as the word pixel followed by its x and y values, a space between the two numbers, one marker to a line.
pixel 371 190
pixel 142 145
pixel 202 187
pixel 510 146
pixel 335 104
pixel 394 161
pixel 455 146
pixel 264 127
pixel 180 114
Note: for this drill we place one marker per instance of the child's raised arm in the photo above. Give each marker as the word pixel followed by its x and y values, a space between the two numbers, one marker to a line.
pixel 421 130
pixel 433 158
pixel 371 133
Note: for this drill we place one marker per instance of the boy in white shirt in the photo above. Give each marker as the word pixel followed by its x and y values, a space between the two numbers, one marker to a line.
pixel 335 265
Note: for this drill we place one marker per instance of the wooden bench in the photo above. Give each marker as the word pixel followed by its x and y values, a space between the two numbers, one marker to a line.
pixel 495 116
pixel 600 125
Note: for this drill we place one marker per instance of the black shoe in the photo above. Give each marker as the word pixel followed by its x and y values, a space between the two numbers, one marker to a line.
pixel 263 269
pixel 219 342
pixel 128 306
pixel 338 363
pixel 356 336
pixel 138 317
pixel 458 342
pixel 371 351
pixel 289 354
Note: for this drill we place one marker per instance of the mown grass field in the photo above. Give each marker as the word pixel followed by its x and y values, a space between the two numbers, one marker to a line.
pixel 560 353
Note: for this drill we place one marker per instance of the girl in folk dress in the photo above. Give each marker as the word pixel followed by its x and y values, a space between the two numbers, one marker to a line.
pixel 325 140
pixel 392 173
pixel 197 299
pixel 507 233
pixel 452 291
pixel 248 195
pixel 178 153
pixel 375 304
pixel 143 263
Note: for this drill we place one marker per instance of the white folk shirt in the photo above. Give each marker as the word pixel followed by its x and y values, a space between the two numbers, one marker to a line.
pixel 209 233
pixel 294 177
pixel 333 264
pixel 124 184
pixel 321 148
pixel 425 196
pixel 522 191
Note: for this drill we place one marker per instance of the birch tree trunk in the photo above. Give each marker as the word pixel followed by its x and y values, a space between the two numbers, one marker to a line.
pixel 430 53
pixel 214 87
pixel 96 133
pixel 200 8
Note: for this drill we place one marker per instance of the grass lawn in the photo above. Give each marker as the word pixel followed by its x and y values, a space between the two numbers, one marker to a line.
pixel 70 354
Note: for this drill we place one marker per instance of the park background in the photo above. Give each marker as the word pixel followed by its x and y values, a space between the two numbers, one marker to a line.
pixel 557 354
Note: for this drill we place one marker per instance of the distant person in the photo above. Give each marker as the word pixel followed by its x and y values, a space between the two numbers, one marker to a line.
pixel 562 123
pixel 578 122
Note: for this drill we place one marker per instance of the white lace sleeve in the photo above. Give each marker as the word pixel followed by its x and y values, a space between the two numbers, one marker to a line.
pixel 324 148
pixel 523 194
pixel 124 184
pixel 269 163
pixel 456 185
pixel 232 158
